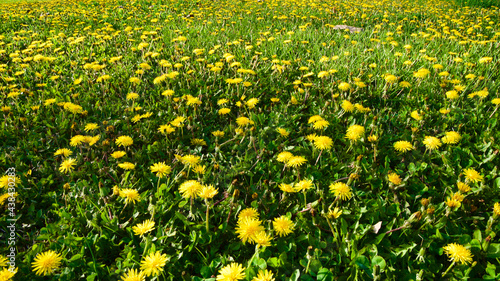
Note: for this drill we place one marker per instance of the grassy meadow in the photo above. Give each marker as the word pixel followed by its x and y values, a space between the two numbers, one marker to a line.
pixel 249 140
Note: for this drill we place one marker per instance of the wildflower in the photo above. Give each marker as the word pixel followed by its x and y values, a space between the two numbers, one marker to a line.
pixel 218 134
pixel 296 161
pixel 343 86
pixel 347 106
pixel 127 166
pixel 403 146
pixel 314 119
pixel 77 140
pixel 124 141
pixel 190 160
pixel 283 132
pixel 321 124
pixel 391 79
pixel 335 213
pixel 247 228
pixel 341 190
pixel 355 132
pixel 252 102
pixel 472 175
pixel 287 188
pixel 485 59
pixel 143 228
pixel 323 142
pixel 46 262
pixel 118 154
pixel 265 275
pixel 496 209
pixel 372 138
pixel 67 165
pixel 161 169
pixel 304 185
pixel 166 129
pixel 231 272
pixel 64 152
pixel 495 101
pixel 421 73
pixel 199 142
pixel 311 137
pixel 153 263
pixel 452 203
pixel 463 187
pixel 91 127
pixel 283 226
pixel 415 115
pixel 130 195
pixel 248 213
pixel 458 253
pixel 199 169
pixel 451 138
pixel 190 188
pixel 243 121
pixel 394 178
pixel 7 274
pixel 431 142
pixel 133 275
pixel 207 192
pixel 262 239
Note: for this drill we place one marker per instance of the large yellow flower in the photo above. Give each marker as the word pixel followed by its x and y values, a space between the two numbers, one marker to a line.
pixel 190 188
pixel 46 262
pixel 458 253
pixel 341 190
pixel 472 175
pixel 143 228
pixel 283 226
pixel 296 161
pixel 247 228
pixel 403 146
pixel 323 142
pixel 355 132
pixel 153 264
pixel 431 142
pixel 133 275
pixel 161 169
pixel 130 195
pixel 124 141
pixel 265 275
pixel 231 272
pixel 67 165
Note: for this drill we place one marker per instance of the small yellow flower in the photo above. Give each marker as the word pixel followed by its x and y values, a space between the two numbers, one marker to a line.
pixel 231 272
pixel 153 263
pixel 341 190
pixel 283 226
pixel 403 146
pixel 335 213
pixel 394 178
pixel 472 175
pixel 143 228
pixel 431 142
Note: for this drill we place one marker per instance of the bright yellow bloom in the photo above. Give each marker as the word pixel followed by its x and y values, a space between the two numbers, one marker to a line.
pixel 496 209
pixel 130 195
pixel 355 132
pixel 133 275
pixel 67 165
pixel 248 213
pixel 190 188
pixel 321 124
pixel 247 228
pixel 143 228
pixel 463 187
pixel 265 275
pixel 343 86
pixel 341 190
pixel 403 146
pixel 64 152
pixel 208 191
pixel 231 272
pixel 287 188
pixel 46 262
pixel 394 178
pixel 304 185
pixel 452 203
pixel 124 141
pixel 153 264
pixel 431 142
pixel 335 213
pixel 347 106
pixel 224 111
pixel 91 127
pixel 283 226
pixel 296 161
pixel 263 239
pixel 161 169
pixel 458 253
pixel 118 154
pixel 472 175
pixel 127 166
pixel 190 160
pixel 451 137
pixel 284 156
pixel 283 132
pixel 323 142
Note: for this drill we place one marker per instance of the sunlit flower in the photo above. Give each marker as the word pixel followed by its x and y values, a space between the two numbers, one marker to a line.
pixel 46 262
pixel 247 228
pixel 118 154
pixel 67 165
pixel 264 275
pixel 431 142
pixel 452 203
pixel 287 188
pixel 283 132
pixel 451 137
pixel 133 275
pixel 323 142
pixel 64 152
pixel 304 185
pixel 341 190
pixel 496 209
pixel 262 239
pixel 472 175
pixel 153 263
pixel 190 160
pixel 347 106
pixel 296 161
pixel 335 213
pixel 144 227
pixel 161 169
pixel 394 178
pixel 463 187
pixel 130 195
pixel 124 141
pixel 283 226
pixel 458 253
pixel 321 124
pixel 403 146
pixel 343 86
pixel 207 192
pixel 248 213
pixel 231 272
pixel 127 166
pixel 355 132
pixel 190 188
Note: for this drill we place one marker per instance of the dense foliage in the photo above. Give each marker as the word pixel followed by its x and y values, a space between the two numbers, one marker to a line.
pixel 250 140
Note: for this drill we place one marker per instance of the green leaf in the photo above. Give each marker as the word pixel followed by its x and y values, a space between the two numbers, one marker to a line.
pixel 493 251
pixel 296 275
pixel 324 275
pixel 477 235
pixel 378 260
pixel 205 271
pixel 491 269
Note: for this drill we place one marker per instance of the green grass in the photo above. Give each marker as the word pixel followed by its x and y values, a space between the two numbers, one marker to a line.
pixel 479 3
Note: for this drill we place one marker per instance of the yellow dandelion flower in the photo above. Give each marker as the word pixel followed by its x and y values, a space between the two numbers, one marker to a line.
pixel 118 154
pixel 341 190
pixel 190 188
pixel 124 141
pixel 127 166
pixel 304 185
pixel 153 263
pixel 463 187
pixel 335 213
pixel 144 227
pixel 190 160
pixel 431 142
pixel 472 175
pixel 130 195
pixel 347 106
pixel 208 191
pixel 458 253
pixel 451 137
pixel 64 152
pixel 262 239
pixel 265 275
pixel 394 178
pixel 133 275
pixel 343 86
pixel 284 156
pixel 161 169
pixel 403 146
pixel 323 142
pixel 496 209
pixel 46 262
pixel 287 188
pixel 296 161
pixel 231 272
pixel 283 226
pixel 355 132
pixel 67 165
pixel 247 228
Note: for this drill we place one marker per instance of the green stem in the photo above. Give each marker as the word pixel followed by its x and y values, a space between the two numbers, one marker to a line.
pixel 207 216
pixel 256 252
pixel 451 265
